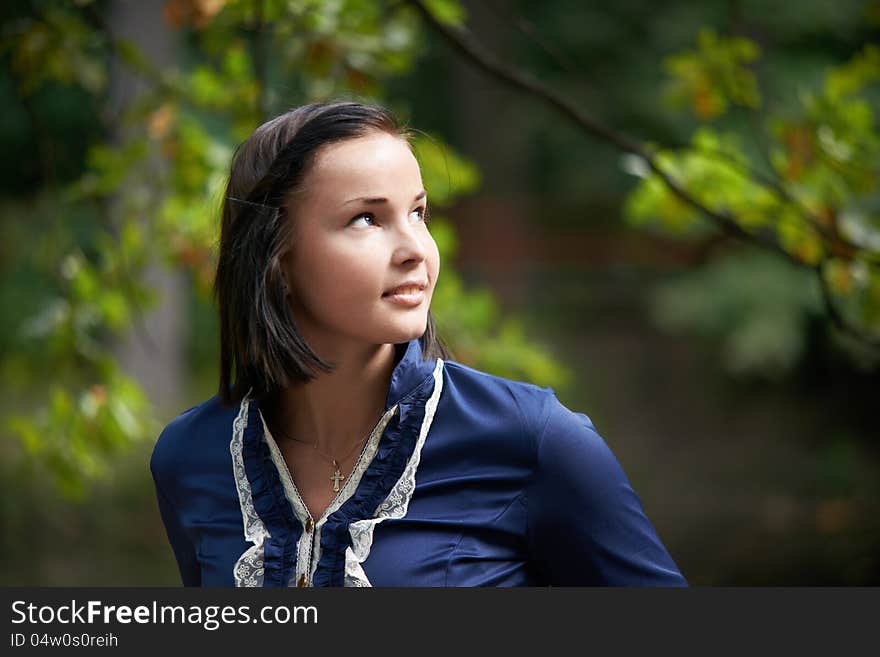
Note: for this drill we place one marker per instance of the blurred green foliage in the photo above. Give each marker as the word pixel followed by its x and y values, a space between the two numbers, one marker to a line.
pixel 759 303
pixel 801 172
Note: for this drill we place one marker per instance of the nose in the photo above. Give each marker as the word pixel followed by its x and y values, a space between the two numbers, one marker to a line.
pixel 409 243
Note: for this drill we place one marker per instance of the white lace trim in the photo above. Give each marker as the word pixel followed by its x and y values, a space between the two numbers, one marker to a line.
pixel 304 545
pixel 307 542
pixel 397 502
pixel 248 570
pixel 350 486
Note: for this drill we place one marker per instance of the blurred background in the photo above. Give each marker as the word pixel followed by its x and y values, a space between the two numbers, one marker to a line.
pixel 669 213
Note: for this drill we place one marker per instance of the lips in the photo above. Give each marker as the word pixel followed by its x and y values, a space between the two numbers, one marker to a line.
pixel 409 287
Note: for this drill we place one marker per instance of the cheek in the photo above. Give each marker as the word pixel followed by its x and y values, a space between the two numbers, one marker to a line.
pixel 325 276
pixel 433 260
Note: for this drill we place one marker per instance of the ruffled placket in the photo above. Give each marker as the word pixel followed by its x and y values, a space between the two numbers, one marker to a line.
pixel 276 530
pixel 270 503
pixel 386 469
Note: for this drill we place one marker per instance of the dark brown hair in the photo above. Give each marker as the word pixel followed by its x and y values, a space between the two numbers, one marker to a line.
pixel 258 334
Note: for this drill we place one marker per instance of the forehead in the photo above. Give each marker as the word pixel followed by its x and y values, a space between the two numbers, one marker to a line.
pixel 375 164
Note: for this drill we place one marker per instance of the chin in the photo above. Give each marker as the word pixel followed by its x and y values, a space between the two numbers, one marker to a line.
pixel 405 333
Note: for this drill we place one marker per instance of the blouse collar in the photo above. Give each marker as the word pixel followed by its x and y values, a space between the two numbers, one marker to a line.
pixel 410 370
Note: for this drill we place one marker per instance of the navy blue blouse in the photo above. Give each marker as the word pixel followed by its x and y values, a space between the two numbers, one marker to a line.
pixel 468 479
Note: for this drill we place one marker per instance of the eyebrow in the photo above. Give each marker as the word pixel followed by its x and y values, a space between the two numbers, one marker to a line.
pixel 381 199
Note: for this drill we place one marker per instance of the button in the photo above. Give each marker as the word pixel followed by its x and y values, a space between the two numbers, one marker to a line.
pixel 309 526
pixel 302 581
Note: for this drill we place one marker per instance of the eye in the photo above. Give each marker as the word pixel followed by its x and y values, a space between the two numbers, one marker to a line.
pixel 423 213
pixel 363 215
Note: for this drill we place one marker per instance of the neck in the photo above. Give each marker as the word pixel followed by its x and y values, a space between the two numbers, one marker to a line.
pixel 338 409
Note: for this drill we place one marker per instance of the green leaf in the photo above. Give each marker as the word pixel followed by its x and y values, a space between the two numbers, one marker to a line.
pixel 446 175
pixel 715 75
pixel 852 77
pixel 449 12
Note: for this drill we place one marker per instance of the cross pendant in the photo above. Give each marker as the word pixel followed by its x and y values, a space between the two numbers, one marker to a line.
pixel 336 477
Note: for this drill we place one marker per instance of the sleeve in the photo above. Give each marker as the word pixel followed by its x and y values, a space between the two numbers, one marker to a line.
pixel 586 524
pixel 184 551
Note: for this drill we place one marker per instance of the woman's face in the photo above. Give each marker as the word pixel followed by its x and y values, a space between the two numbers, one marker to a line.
pixel 359 232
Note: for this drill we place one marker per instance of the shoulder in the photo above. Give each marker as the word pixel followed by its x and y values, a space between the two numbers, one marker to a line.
pixel 572 455
pixel 190 435
pixel 497 400
pixel 554 437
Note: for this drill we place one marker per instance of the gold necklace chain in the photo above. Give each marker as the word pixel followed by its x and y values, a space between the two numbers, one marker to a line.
pixel 337 475
pixel 322 453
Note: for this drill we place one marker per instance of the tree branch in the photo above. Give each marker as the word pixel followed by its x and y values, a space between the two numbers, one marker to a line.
pixel 837 318
pixel 841 247
pixel 528 30
pixel 466 45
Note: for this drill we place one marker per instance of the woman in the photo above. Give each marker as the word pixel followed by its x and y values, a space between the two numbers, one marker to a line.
pixel 350 449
